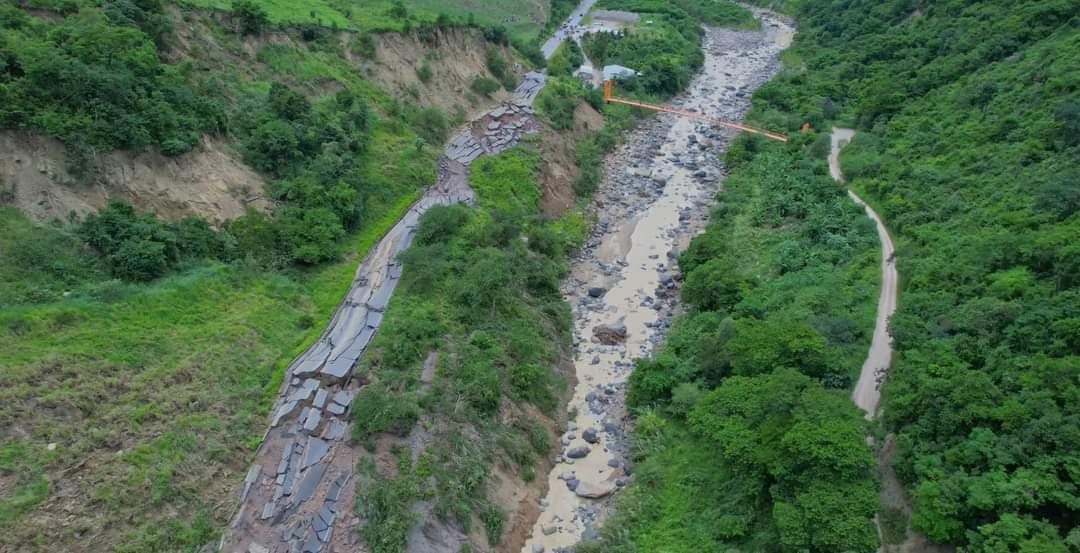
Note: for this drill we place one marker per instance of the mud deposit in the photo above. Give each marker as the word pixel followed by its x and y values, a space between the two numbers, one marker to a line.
pixel 657 192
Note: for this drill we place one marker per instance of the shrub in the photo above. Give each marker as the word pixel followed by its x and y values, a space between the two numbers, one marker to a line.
pixel 139 260
pixel 377 409
pixel 440 223
pixel 495 62
pixel 310 235
pixel 497 35
pixel 566 60
pixel 431 125
pixel 713 286
pixel 484 86
pixel 363 45
pixel 398 10
pixel 558 100
pixel 423 72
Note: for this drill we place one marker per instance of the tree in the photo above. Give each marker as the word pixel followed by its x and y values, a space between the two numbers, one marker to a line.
pixel 805 446
pixel 273 147
pixel 714 286
pixel 484 86
pixel 287 104
pixel 254 235
pixel 759 346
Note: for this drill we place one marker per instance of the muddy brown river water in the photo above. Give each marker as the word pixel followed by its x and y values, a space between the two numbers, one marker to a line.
pixel 657 191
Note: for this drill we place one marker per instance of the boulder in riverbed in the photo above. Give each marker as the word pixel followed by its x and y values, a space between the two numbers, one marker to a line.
pixel 589 435
pixel 594 490
pixel 577 452
pixel 610 334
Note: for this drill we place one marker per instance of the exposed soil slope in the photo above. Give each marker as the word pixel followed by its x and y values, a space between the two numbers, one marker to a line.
pixel 209 182
pixel 454 56
pixel 212 181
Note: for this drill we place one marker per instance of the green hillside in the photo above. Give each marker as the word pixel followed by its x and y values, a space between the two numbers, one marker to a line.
pixel 148 352
pixel 969 140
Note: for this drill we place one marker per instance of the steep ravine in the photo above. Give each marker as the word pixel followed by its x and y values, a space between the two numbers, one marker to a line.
pixel 656 195
pixel 298 493
pixel 297 496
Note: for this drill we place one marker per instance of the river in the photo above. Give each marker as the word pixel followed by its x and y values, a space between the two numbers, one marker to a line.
pixel 656 194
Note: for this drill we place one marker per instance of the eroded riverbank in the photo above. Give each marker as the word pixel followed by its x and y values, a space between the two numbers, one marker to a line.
pixel 655 197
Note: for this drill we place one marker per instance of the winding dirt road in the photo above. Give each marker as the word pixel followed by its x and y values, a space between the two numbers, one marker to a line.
pixel 867 394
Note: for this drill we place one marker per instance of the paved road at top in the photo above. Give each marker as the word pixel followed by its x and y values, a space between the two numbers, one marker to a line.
pixel 866 394
pixel 563 32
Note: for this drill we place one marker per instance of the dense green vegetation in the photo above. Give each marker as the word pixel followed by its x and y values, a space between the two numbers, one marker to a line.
pixel 520 18
pixel 566 59
pixel 94 80
pixel 968 117
pixel 560 97
pixel 665 46
pixel 479 293
pixel 969 150
pixel 745 438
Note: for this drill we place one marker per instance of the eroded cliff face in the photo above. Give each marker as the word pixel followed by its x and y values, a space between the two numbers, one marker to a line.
pixel 210 181
pixel 455 57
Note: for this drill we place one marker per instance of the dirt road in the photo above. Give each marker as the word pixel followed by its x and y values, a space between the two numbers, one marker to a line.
pixel 866 394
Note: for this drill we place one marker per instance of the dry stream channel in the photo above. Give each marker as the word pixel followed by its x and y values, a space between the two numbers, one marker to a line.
pixel 656 195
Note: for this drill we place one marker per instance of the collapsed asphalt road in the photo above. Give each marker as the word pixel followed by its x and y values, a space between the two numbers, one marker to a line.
pixel 298 494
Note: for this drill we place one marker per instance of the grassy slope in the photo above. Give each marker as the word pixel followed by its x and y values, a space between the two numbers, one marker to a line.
pixel 155 393
pixel 375 15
